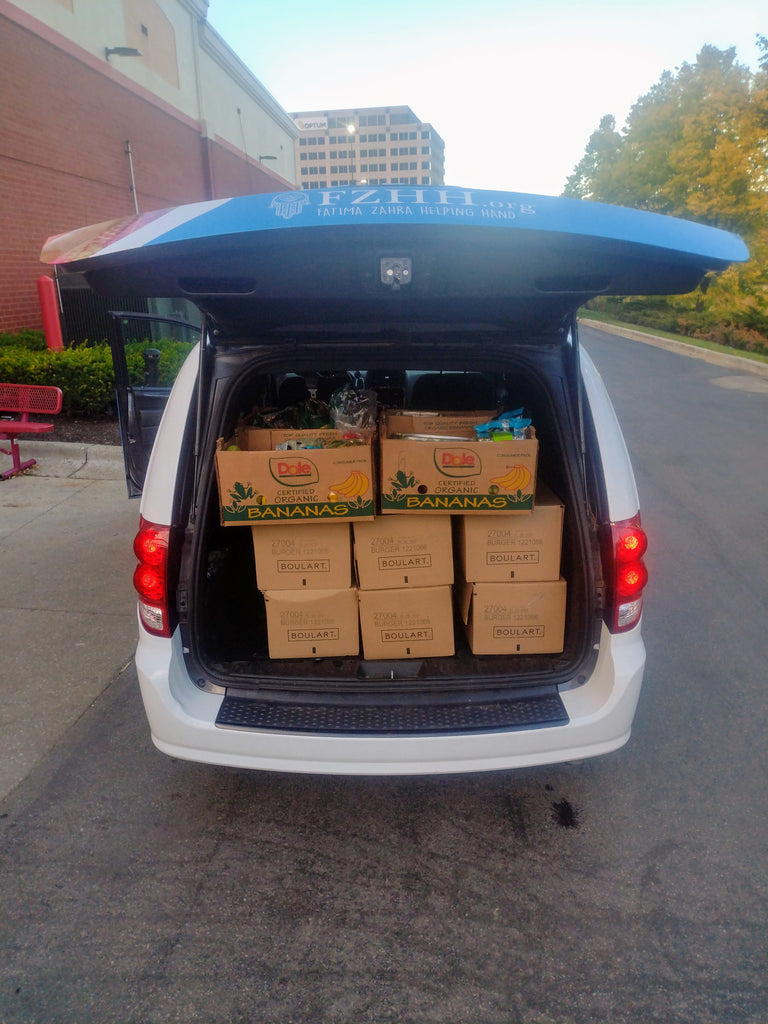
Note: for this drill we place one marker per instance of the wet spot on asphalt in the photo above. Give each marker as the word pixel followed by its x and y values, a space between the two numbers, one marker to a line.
pixel 565 814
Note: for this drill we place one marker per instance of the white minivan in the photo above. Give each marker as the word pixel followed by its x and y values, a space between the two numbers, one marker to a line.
pixel 435 300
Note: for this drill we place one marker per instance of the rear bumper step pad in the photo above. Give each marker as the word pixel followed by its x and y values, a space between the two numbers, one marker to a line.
pixel 392 720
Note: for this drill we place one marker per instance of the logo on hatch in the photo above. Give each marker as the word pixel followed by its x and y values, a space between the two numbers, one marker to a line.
pixel 289 204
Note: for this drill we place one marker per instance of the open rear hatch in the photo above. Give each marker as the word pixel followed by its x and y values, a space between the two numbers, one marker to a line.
pixel 394 254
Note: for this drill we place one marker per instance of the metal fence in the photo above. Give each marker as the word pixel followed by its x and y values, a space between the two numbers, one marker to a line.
pixel 85 315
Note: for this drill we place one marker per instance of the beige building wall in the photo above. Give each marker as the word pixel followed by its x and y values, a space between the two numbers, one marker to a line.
pixel 367 146
pixel 184 63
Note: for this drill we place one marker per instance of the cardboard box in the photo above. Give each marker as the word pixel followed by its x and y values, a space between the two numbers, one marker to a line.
pixel 454 477
pixel 406 623
pixel 316 556
pixel 514 618
pixel 312 623
pixel 259 439
pixel 318 485
pixel 403 551
pixel 450 424
pixel 506 548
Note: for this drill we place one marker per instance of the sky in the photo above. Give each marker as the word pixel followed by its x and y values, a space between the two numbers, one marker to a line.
pixel 515 89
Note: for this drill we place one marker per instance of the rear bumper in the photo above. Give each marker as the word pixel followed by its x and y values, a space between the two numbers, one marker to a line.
pixel 182 721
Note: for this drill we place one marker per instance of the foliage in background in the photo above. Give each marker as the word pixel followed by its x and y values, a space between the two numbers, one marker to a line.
pixel 84 373
pixel 29 339
pixel 696 146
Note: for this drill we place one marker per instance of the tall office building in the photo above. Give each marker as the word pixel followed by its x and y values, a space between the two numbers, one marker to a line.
pixel 367 146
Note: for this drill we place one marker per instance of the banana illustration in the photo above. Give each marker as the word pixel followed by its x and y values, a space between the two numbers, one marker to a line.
pixel 356 483
pixel 514 479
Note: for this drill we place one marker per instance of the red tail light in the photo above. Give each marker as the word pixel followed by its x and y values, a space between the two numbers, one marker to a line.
pixel 150 577
pixel 624 545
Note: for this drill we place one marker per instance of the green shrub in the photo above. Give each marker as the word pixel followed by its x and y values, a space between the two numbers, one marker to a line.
pixel 29 339
pixel 172 355
pixel 85 374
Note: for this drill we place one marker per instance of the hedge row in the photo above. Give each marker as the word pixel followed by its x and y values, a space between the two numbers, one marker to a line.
pixel 85 374
pixel 679 315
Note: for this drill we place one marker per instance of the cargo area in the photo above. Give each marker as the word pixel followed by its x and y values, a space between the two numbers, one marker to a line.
pixel 232 612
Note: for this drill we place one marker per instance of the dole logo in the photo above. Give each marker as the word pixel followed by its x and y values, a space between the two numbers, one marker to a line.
pixel 295 471
pixel 457 461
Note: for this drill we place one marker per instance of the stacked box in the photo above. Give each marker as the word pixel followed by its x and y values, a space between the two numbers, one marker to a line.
pixel 305 575
pixel 514 618
pixel 318 556
pixel 512 597
pixel 404 571
pixel 406 551
pixel 445 471
pixel 312 623
pixel 505 549
pixel 407 622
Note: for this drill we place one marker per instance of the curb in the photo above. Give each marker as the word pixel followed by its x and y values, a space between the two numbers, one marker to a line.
pixel 680 348
pixel 76 461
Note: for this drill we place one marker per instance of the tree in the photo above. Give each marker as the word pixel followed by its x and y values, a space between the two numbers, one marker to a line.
pixel 594 169
pixel 696 146
pixel 762 45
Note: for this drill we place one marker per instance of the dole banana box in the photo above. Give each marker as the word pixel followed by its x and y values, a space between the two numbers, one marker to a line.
pixel 508 548
pixel 312 623
pixel 406 623
pixel 316 557
pixel 403 551
pixel 513 618
pixel 456 476
pixel 313 485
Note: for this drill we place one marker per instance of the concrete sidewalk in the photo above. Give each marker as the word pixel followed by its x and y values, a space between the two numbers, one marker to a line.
pixel 66 598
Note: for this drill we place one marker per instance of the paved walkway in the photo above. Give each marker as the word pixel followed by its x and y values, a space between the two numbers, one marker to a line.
pixel 66 596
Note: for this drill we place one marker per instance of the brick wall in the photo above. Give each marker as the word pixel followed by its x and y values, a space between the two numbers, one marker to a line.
pixel 63 164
